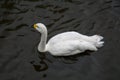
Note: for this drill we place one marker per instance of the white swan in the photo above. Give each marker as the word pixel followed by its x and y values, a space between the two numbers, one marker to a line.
pixel 67 43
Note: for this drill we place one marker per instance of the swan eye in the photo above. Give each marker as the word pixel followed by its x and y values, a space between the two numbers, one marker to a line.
pixel 35 26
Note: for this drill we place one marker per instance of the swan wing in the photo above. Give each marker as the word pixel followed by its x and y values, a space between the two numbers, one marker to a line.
pixel 72 35
pixel 70 47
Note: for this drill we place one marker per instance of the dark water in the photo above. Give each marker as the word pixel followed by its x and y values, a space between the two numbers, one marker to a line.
pixel 19 58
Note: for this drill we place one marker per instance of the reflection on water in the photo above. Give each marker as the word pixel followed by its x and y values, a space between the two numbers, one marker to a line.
pixel 19 59
pixel 42 66
pixel 72 59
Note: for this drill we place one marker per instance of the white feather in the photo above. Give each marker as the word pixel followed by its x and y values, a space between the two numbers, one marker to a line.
pixel 68 43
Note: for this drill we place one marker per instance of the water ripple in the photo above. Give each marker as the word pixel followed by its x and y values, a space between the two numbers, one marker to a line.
pixel 19 59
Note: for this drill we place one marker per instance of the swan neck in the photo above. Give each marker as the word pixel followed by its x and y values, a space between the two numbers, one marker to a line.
pixel 42 44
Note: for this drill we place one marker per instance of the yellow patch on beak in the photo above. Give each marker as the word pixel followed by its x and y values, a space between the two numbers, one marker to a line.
pixel 35 26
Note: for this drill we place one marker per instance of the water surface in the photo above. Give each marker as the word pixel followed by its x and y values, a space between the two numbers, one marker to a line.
pixel 19 58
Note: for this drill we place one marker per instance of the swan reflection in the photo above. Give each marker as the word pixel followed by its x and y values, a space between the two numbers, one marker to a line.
pixel 40 65
pixel 74 58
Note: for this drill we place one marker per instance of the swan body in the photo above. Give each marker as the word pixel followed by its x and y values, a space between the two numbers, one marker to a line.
pixel 67 43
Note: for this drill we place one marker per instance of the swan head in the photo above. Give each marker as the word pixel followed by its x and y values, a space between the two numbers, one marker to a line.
pixel 40 27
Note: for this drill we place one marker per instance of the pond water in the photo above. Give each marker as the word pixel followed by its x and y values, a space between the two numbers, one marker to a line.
pixel 19 58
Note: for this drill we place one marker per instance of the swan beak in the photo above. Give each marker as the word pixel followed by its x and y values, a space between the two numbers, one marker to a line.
pixel 35 26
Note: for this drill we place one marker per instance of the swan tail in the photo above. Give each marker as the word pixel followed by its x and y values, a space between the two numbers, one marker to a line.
pixel 98 42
